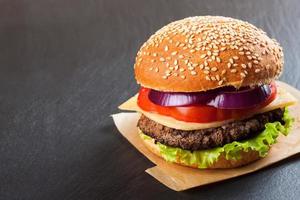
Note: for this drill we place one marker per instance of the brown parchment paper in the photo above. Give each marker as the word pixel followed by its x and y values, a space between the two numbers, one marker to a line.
pixel 181 178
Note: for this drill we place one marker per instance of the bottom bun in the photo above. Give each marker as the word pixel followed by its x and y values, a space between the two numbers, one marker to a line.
pixel 221 163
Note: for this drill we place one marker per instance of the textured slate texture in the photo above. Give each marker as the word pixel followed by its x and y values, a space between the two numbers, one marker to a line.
pixel 66 65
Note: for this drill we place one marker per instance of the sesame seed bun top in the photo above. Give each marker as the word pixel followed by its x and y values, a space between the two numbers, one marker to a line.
pixel 207 52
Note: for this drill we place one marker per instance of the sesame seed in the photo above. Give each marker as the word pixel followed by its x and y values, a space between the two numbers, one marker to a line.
pixel 218 59
pixel 228 65
pixel 151 68
pixel 217 77
pixel 223 48
pixel 191 68
pixel 207 78
pixel 233 70
pixel 243 75
pixel 164 77
pixel 154 54
pixel 192 50
pixel 175 74
pixel 249 57
pixel 203 56
pixel 255 61
pixel 235 64
pixel 257 70
pixel 152 60
pixel 241 53
pixel 244 66
pixel 206 72
pixel 175 62
pixel 166 48
pixel 214 69
pixel 162 59
pixel 193 73
pixel 249 65
pixel 209 53
pixel 248 53
pixel 156 69
pixel 180 56
pixel 223 72
pixel 182 76
pixel 176 67
pixel 206 68
pixel 174 53
pixel 235 57
pixel 205 63
pixel 195 64
pixel 220 82
pixel 231 60
pixel 213 78
pixel 201 66
pixel 181 70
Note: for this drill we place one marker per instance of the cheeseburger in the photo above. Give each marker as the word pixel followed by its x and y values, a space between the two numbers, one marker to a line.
pixel 208 98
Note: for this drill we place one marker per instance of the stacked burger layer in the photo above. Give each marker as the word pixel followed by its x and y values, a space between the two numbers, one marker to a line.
pixel 208 97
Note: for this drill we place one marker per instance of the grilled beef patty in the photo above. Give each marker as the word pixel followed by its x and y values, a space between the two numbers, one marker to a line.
pixel 210 137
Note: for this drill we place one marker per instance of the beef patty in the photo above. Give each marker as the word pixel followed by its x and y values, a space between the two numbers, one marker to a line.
pixel 210 137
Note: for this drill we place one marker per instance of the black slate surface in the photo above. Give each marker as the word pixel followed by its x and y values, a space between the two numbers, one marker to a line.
pixel 66 65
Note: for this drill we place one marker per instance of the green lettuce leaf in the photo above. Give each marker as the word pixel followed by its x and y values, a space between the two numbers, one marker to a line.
pixel 204 158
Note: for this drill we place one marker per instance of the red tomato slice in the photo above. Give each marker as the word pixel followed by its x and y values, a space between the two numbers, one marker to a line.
pixel 199 114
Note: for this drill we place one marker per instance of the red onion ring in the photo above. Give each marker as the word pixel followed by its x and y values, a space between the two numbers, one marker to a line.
pixel 223 98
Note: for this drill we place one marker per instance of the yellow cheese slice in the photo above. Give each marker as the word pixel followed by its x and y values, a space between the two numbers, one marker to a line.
pixel 283 99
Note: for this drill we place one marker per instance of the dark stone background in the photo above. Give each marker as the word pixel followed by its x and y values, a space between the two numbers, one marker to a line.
pixel 66 65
